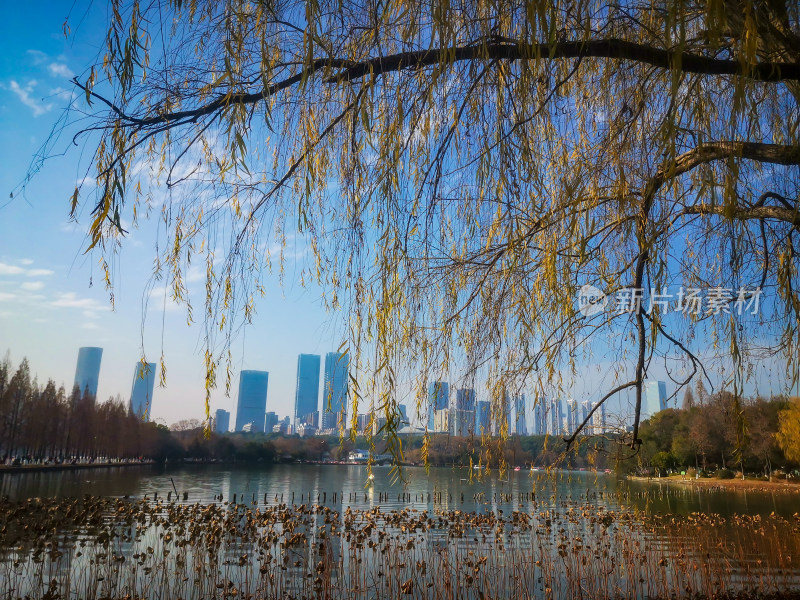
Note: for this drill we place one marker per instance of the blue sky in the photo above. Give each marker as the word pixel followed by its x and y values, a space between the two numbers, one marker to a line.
pixel 52 300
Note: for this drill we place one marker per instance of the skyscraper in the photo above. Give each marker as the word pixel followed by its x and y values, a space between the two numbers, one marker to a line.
pixel 462 420
pixel 556 417
pixel 222 421
pixel 483 418
pixel 306 397
pixel 252 402
pixel 520 417
pixel 144 378
pixel 540 417
pixel 572 416
pixel 654 398
pixel 438 399
pixel 334 395
pixel 586 408
pixel 87 372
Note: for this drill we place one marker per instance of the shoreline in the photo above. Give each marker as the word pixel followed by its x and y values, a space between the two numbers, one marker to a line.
pixel 8 469
pixel 726 485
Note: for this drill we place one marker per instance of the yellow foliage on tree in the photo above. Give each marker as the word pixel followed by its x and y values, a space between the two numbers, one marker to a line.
pixel 789 430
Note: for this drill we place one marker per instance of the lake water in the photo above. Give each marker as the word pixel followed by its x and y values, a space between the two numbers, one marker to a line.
pixel 313 531
pixel 439 489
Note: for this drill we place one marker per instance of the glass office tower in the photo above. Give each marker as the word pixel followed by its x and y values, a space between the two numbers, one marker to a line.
pixel 87 372
pixel 334 395
pixel 222 421
pixel 438 399
pixel 483 418
pixel 520 415
pixel 306 397
pixel 655 398
pixel 144 378
pixel 251 407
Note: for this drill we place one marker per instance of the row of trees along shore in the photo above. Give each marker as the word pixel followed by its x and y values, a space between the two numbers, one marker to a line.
pixel 717 432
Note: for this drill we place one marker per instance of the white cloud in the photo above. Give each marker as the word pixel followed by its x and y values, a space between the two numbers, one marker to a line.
pixel 32 286
pixel 71 300
pixel 5 297
pixel 37 56
pixel 10 270
pixel 39 272
pixel 26 261
pixel 90 326
pixel 60 70
pixel 24 95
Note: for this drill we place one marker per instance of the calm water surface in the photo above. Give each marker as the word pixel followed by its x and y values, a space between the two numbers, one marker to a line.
pixel 440 489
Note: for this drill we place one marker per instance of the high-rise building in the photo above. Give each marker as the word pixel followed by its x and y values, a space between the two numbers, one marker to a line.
pixel 483 418
pixel 654 398
pixel 556 417
pixel 438 399
pixel 144 378
pixel 334 395
pixel 222 421
pixel 572 416
pixel 270 420
pixel 462 418
pixel 252 402
pixel 599 426
pixel 586 408
pixel 401 408
pixel 541 412
pixel 306 397
pixel 520 417
pixel 502 416
pixel 87 371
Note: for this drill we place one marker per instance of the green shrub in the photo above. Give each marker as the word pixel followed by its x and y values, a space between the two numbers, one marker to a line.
pixel 724 474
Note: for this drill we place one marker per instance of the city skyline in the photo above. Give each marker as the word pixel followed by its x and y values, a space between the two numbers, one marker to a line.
pixel 462 414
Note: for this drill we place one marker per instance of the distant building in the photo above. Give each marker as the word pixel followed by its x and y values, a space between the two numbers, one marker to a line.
pixel 306 430
pixel 441 421
pixel 462 422
pixel 270 420
pixel 144 377
pixel 572 416
pixel 483 418
pixel 540 412
pixel 438 399
pixel 556 417
pixel 502 416
pixel 222 421
pixel 252 402
pixel 520 416
pixel 334 395
pixel 586 408
pixel 462 417
pixel 599 425
pixel 401 408
pixel 654 398
pixel 306 398
pixel 87 371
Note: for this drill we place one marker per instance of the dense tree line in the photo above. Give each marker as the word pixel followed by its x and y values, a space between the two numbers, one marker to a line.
pixel 720 432
pixel 45 422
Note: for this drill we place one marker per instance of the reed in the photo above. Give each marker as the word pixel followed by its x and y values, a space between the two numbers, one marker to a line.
pixel 115 548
